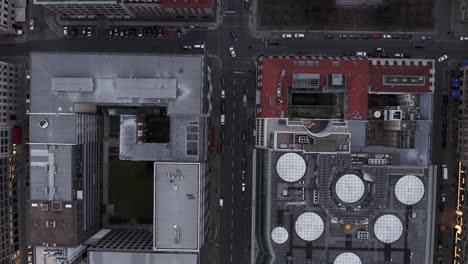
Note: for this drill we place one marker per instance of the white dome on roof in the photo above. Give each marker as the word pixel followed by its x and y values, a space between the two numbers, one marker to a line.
pixel 409 190
pixel 279 235
pixel 291 167
pixel 350 188
pixel 388 228
pixel 347 258
pixel 309 226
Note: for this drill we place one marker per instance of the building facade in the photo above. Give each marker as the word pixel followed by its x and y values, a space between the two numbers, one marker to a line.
pixel 7 17
pixel 9 225
pixel 127 9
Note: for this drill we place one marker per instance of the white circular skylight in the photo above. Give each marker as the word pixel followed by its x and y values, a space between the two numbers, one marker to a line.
pixel 279 235
pixel 347 258
pixel 409 190
pixel 309 226
pixel 388 228
pixel 291 167
pixel 349 188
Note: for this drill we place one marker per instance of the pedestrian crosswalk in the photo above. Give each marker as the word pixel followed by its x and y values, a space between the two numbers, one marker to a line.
pixel 53 26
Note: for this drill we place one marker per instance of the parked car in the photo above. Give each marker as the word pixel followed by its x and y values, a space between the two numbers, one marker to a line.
pixel 232 51
pixel 361 53
pixel 222 107
pixel 286 35
pixel 442 58
pixel 243 186
pixel 73 32
pixel 379 49
pixel 353 36
pixel 464 38
pixel 234 36
pixel 406 36
pixel 343 36
pixel 89 32
pixel 187 47
pixel 244 135
pixel 199 46
pixel 223 94
pixel 84 31
pixel 65 30
pixel 366 36
pixel 387 36
pixel 31 24
pixel 398 55
pixel 140 32
pixel 376 36
pixel 179 32
pixel 418 44
pixel 299 35
pixel 164 32
pixel 329 36
pixel 395 36
pixel 111 33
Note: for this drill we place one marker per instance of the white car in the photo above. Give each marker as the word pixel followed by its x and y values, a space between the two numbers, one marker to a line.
pixel 387 36
pixel 287 36
pixel 361 53
pixel 243 186
pixel 233 52
pixel 31 24
pixel 464 38
pixel 442 58
pixel 65 30
pixel 399 55
pixel 299 35
pixel 199 46
pixel 223 94
pixel 221 202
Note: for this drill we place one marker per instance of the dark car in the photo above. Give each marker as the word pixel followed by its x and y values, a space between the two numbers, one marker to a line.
pixel 371 54
pixel 244 135
pixel 395 36
pixel 231 141
pixel 234 36
pixel 348 53
pixel 73 32
pixel 179 32
pixel 273 43
pixel 366 36
pixel 244 164
pixel 164 32
pixel 133 32
pixel 445 99
pixel 127 33
pixel 155 31
pixel 407 36
pixel 222 107
pixel 330 36
pixel 146 32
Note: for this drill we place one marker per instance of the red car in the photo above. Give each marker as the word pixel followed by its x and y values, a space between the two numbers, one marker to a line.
pixel 376 36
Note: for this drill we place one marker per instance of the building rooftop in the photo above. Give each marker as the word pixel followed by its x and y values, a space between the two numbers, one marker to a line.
pixel 176 223
pixel 188 3
pixel 175 81
pixel 355 77
pixel 319 220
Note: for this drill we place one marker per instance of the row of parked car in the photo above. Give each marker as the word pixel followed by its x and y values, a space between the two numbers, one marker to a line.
pixel 378 53
pixel 373 36
pixel 140 32
pixel 78 31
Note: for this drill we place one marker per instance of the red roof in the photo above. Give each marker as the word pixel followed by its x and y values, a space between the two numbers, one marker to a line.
pixel 188 3
pixel 356 72
pixel 361 77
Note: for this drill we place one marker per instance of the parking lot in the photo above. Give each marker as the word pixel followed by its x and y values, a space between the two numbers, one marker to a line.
pixel 395 15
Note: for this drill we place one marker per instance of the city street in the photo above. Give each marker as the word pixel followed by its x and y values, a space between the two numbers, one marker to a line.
pixel 232 152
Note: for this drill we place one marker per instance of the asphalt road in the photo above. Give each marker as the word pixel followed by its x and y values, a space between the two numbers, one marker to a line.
pixel 239 79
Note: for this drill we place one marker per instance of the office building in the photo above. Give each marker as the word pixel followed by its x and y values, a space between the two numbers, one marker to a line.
pixel 155 107
pixel 126 9
pixel 346 174
pixel 9 220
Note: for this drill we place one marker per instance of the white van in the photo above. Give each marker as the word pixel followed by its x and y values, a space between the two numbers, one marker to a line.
pixel 221 202
pixel 444 172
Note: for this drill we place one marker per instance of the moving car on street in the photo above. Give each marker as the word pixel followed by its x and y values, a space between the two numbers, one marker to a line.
pixel 234 36
pixel 232 51
pixel 442 58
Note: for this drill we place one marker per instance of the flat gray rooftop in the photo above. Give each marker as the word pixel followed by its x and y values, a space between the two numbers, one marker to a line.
pixel 177 205
pixel 106 257
pixel 175 81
